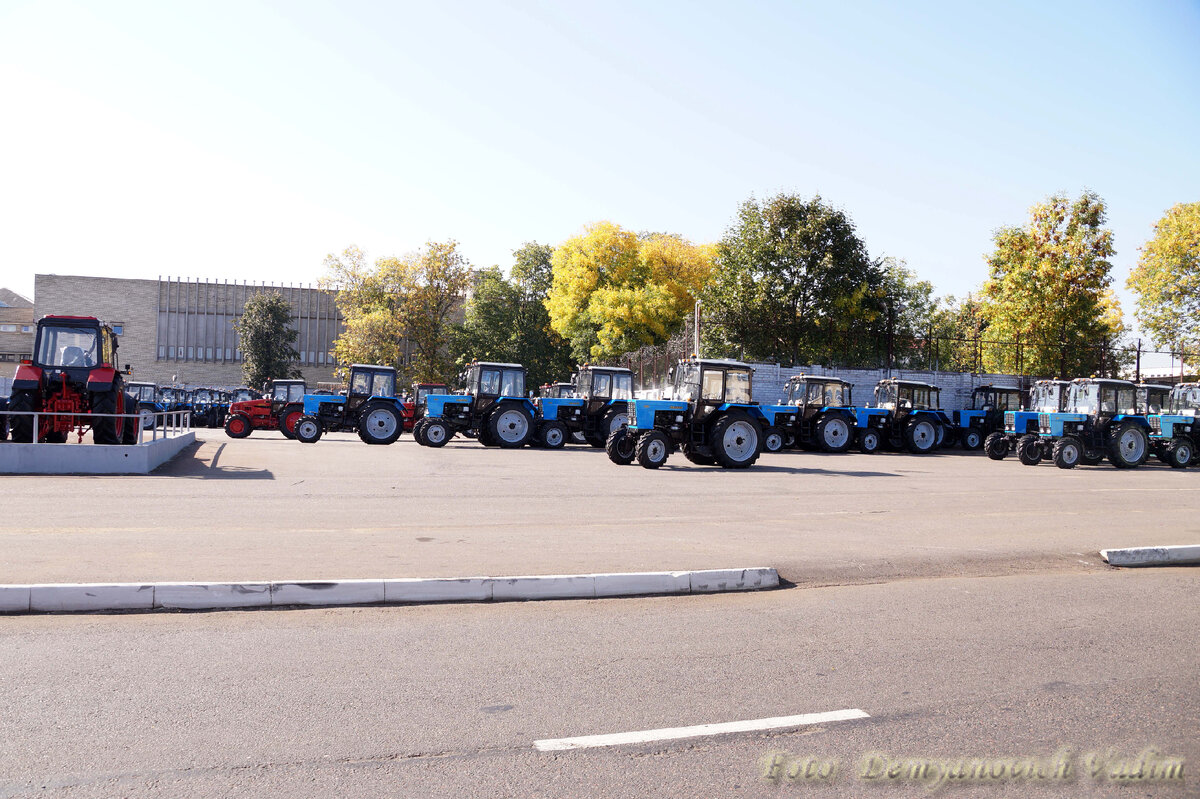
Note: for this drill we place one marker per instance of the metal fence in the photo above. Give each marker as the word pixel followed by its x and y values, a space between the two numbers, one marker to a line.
pixel 169 423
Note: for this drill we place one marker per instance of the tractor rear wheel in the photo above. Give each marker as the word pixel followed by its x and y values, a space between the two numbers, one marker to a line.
pixel 921 436
pixel 553 435
pixel 308 430
pixel 236 426
pixel 868 441
pixel 772 439
pixel 996 446
pixel 653 449
pixel 1128 447
pixel 736 441
pixel 972 439
pixel 613 421
pixel 416 431
pixel 1029 450
pixel 510 426
pixel 21 427
pixel 149 422
pixel 620 447
pixel 287 419
pixel 1178 452
pixel 380 424
pixel 108 429
pixel 834 433
pixel 130 436
pixel 435 433
pixel 1068 451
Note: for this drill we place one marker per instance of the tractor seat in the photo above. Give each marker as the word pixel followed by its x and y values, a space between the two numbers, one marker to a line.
pixel 73 356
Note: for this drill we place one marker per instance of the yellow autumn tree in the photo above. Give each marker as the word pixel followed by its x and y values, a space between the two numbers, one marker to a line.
pixel 614 291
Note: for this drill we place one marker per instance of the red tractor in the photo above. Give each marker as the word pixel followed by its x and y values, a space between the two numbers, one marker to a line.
pixel 72 375
pixel 279 410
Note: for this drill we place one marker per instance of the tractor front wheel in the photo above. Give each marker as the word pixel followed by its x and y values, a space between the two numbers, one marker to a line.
pixel 510 426
pixel 1178 453
pixel 772 439
pixel 868 441
pixel 236 426
pixel 308 430
pixel 736 441
pixel 921 436
pixel 435 433
pixel 972 439
pixel 1029 450
pixel 288 418
pixel 553 435
pixel 653 449
pixel 417 431
pixel 1068 451
pixel 108 429
pixel 1128 447
pixel 620 447
pixel 834 434
pixel 380 424
pixel 996 446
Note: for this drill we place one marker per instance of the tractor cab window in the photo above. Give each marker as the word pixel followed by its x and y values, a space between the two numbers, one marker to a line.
pixel 383 384
pixel 984 400
pixel 360 384
pixel 622 387
pixel 602 384
pixel 1085 398
pixel 816 393
pixel 712 387
pixel 687 383
pixel 67 346
pixel 513 384
pixel 1126 400
pixel 201 396
pixel 489 382
pixel 837 394
pixel 1185 399
pixel 885 396
pixel 795 393
pixel 737 386
pixel 1008 400
pixel 279 392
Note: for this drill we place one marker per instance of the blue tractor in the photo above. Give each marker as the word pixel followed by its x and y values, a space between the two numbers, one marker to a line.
pixel 986 415
pixel 710 418
pixel 817 413
pixel 1153 397
pixel 1175 431
pixel 1045 396
pixel 148 403
pixel 598 408
pixel 1102 419
pixel 369 407
pixel 912 417
pixel 493 409
pixel 209 408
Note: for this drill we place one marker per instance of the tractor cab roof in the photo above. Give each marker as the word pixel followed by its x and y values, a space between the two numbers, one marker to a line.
pixel 373 367
pixel 618 369
pixel 1108 381
pixel 132 383
pixel 71 321
pixel 498 365
pixel 818 379
pixel 895 381
pixel 716 363
pixel 990 387
pixel 1154 386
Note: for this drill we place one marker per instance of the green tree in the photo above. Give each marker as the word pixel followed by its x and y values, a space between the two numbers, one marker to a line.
pixel 614 291
pixel 908 310
pixel 1048 288
pixel 1167 281
pixel 265 337
pixel 398 311
pixel 791 279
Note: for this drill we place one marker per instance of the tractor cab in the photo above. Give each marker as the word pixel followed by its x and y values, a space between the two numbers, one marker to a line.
pixel 908 413
pixel 710 384
pixel 243 394
pixel 1175 432
pixel 600 386
pixel 1153 398
pixel 1185 399
pixel 1102 399
pixel 557 390
pixel 171 398
pixel 986 415
pixel 143 392
pixel 493 408
pixel 487 383
pixel 368 381
pixel 813 393
pixel 284 392
pixel 904 396
pixel 991 399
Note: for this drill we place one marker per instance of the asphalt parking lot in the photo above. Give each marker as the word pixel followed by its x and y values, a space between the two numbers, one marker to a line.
pixel 959 604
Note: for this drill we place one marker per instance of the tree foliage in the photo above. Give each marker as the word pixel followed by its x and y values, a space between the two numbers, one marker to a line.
pixel 614 291
pixel 398 311
pixel 265 337
pixel 1049 287
pixel 790 274
pixel 1167 281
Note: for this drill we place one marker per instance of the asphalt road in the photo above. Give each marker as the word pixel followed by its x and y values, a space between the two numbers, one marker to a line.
pixel 447 700
pixel 268 508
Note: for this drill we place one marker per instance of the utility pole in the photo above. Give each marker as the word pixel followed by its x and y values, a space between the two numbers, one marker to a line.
pixel 696 330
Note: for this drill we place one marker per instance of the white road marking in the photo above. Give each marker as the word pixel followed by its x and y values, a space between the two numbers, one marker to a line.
pixel 671 733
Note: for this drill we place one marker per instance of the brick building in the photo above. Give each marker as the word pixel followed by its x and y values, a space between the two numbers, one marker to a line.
pixel 16 327
pixel 181 331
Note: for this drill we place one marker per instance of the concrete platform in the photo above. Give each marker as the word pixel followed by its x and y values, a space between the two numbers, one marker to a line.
pixel 91 458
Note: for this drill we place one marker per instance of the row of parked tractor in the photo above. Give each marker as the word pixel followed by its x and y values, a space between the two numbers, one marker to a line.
pixel 708 414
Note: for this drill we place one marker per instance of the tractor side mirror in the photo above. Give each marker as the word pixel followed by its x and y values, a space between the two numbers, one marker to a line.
pixel 128 370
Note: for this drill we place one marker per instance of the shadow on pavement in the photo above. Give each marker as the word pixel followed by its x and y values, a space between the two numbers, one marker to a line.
pixel 187 465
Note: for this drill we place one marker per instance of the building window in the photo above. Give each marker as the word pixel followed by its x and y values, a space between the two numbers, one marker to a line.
pixel 8 328
pixel 8 356
pixel 170 352
pixel 26 328
pixel 118 328
pixel 162 352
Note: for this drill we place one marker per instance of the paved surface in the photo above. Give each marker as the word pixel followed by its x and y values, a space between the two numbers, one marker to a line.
pixel 268 508
pixel 447 700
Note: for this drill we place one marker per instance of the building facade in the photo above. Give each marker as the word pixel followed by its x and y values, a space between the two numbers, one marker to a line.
pixel 180 331
pixel 16 327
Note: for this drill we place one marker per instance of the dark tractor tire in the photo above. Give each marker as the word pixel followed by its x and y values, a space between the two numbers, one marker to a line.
pixel 484 437
pixel 380 424
pixel 57 437
pixel 1091 458
pixel 921 436
pixel 553 435
pixel 945 437
pixel 287 419
pixel 510 426
pixel 972 439
pixel 1029 450
pixel 736 441
pixel 773 439
pixel 149 420
pixel 435 433
pixel 996 446
pixel 697 458
pixel 834 433
pixel 1068 451
pixel 21 427
pixel 417 430
pixel 1128 447
pixel 789 441
pixel 108 430
pixel 238 425
pixel 620 447
pixel 1178 453
pixel 577 438
pixel 130 436
pixel 652 449
pixel 613 421
pixel 868 441
pixel 308 430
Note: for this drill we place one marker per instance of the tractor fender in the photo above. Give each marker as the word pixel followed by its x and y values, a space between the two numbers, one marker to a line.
pixel 1140 421
pixel 100 380
pixel 27 378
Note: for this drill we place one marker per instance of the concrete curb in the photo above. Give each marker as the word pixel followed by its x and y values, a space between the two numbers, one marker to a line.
pixel 1151 556
pixel 90 458
pixel 84 597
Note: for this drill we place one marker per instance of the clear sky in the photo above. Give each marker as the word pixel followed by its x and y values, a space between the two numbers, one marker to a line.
pixel 247 140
